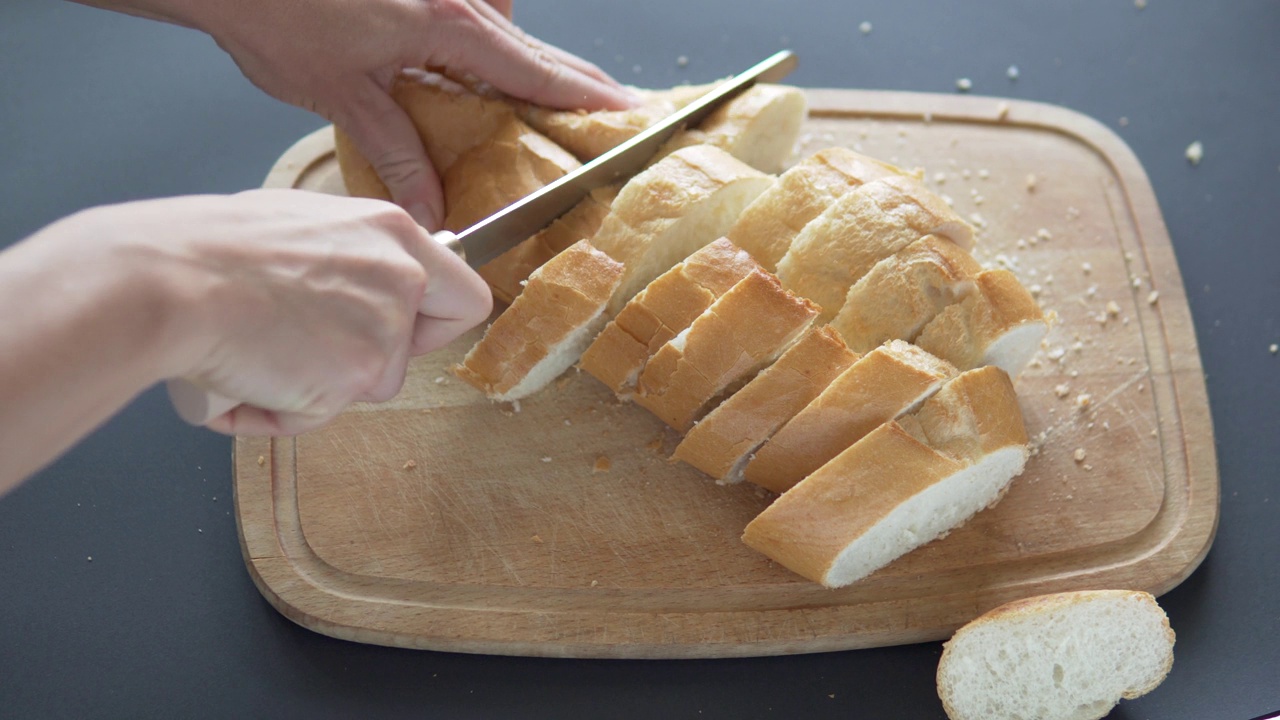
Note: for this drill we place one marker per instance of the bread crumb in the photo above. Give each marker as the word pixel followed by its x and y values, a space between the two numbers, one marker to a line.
pixel 1079 455
pixel 1061 391
pixel 1083 401
pixel 636 69
pixel 602 464
pixel 536 538
pixel 1124 121
pixel 564 380
pixel 1044 234
pixel 947 199
pixel 425 411
pixel 1057 353
pixel 1140 4
pixel 1078 346
pixel 1035 290
pixel 1141 387
pixel 90 558
pixel 1092 290
pixel 1195 152
pixel 262 459
pixel 1274 349
pixel 682 61
pixel 1112 308
pixel 1135 281
pixel 977 219
pixel 864 27
pixel 441 380
pixel 1012 72
pixel 983 174
pixel 515 406
pixel 1002 111
pixel 1087 468
pixel 964 173
pixel 655 444
pixel 1086 268
pixel 410 464
pixel 1021 244
pixel 964 84
pixel 595 583
pixel 546 458
pixel 1153 297
pixel 1031 182
pixel 1074 373
pixel 1154 434
pixel 939 178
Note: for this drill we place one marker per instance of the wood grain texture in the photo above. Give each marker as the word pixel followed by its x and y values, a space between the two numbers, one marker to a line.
pixel 441 521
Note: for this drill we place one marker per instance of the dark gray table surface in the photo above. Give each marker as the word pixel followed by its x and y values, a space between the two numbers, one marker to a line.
pixel 164 622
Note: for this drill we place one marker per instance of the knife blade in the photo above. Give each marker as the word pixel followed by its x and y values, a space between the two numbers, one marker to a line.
pixel 515 223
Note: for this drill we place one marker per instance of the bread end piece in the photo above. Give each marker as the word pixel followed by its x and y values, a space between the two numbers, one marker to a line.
pixel 999 324
pixel 1065 656
pixel 548 326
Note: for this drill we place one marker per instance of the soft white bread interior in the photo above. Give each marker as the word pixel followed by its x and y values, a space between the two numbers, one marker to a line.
pixel 672 208
pixel 1066 656
pixel 507 273
pixel 903 292
pixel 546 328
pixel 768 225
pixel 511 163
pixel 661 311
pixel 887 382
pixel 901 486
pixel 742 332
pixel 865 225
pixel 759 127
pixel 722 442
pixel 590 134
pixel 999 323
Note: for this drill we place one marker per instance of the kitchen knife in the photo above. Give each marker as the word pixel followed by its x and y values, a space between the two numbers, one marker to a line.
pixel 505 229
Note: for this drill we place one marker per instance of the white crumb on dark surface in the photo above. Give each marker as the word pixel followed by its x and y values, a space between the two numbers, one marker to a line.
pixel 964 84
pixel 1195 153
pixel 864 28
pixel 1012 73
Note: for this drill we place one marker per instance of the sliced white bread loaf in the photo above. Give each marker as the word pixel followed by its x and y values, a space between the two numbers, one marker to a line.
pixel 759 127
pixel 591 134
pixel 745 330
pixel 672 208
pixel 548 326
pixel 903 485
pixel 722 442
pixel 661 311
pixel 1067 656
pixel 903 292
pixel 889 381
pixel 865 225
pixel 507 273
pixel 450 119
pixel 513 162
pixel 999 323
pixel 768 225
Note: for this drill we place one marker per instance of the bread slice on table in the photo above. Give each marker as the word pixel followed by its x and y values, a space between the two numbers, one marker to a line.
pixel 903 292
pixel 759 127
pixel 904 484
pixel 548 326
pixel 741 333
pixel 887 382
pixel 450 119
pixel 768 225
pixel 998 324
pixel 1066 656
pixel 511 163
pixel 671 209
pixel 722 442
pixel 661 311
pixel 589 135
pixel 864 226
pixel 507 273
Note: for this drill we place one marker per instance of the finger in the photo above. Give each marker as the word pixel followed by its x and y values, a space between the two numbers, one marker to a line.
pixel 385 135
pixel 524 67
pixel 456 298
pixel 503 20
pixel 249 420
pixel 392 379
pixel 502 6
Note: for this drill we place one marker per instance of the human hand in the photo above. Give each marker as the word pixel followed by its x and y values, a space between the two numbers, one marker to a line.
pixel 300 304
pixel 341 58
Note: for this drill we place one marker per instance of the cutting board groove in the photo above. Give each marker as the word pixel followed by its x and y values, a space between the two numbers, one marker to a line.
pixel 441 521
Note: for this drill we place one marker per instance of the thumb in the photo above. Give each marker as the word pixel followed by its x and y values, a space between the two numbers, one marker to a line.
pixel 384 134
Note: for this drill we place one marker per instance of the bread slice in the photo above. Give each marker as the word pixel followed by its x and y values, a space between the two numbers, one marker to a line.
pixel 759 127
pixel 546 328
pixel 589 135
pixel 768 225
pixel 507 273
pixel 903 485
pixel 450 119
pixel 903 292
pixel 742 332
pixel 661 311
pixel 721 443
pixel 998 324
pixel 1066 656
pixel 510 164
pixel 861 228
pixel 887 382
pixel 671 209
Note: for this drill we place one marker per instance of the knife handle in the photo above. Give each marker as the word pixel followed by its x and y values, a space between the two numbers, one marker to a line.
pixel 195 404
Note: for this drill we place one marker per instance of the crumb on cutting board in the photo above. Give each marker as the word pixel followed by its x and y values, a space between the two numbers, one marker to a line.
pixel 536 538
pixel 262 459
pixel 1079 455
pixel 602 464
pixel 410 464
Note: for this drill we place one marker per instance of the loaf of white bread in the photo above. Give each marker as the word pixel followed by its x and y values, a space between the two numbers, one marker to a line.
pixel 1066 656
pixel 881 431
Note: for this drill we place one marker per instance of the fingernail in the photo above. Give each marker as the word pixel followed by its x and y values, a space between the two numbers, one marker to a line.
pixel 425 216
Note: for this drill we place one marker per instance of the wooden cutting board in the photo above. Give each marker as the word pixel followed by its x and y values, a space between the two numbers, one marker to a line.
pixel 441 521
